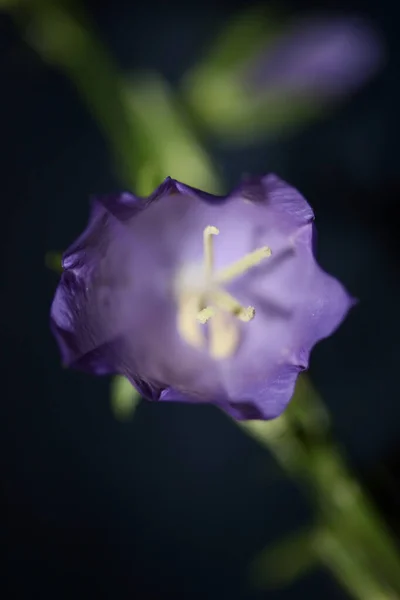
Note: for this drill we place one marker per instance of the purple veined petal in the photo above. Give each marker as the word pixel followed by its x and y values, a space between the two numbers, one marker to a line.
pixel 320 57
pixel 255 404
pixel 133 271
pixel 81 343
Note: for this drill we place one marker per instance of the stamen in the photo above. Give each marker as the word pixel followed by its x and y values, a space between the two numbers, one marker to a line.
pixel 225 301
pixel 243 264
pixel 209 231
pixel 205 315
pixel 223 334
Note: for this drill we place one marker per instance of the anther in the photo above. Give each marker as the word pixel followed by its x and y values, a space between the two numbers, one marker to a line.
pixel 205 315
pixel 247 314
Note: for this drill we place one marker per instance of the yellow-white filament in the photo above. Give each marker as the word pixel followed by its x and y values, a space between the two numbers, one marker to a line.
pixel 242 265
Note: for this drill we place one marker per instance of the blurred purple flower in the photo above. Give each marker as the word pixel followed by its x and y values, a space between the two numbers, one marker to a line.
pixel 198 298
pixel 320 57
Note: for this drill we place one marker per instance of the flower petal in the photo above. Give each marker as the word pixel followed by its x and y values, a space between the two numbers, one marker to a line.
pixel 77 337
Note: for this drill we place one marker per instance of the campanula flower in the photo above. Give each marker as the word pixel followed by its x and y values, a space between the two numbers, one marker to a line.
pixel 199 298
pixel 318 57
pixel 284 76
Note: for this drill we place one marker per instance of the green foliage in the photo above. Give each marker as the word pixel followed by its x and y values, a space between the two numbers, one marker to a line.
pixel 124 398
pixel 285 561
pixel 52 261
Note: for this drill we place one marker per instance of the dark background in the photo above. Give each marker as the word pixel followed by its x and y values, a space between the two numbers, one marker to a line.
pixel 178 501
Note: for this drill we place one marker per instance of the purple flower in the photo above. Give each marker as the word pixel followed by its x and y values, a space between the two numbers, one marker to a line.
pixel 320 58
pixel 198 298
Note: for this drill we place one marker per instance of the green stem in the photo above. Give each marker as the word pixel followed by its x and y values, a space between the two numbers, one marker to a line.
pixel 300 441
pixel 348 565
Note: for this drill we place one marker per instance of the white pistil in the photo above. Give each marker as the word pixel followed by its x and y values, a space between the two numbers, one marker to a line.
pixel 208 234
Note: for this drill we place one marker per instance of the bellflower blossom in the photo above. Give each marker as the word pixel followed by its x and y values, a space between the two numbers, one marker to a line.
pixel 263 77
pixel 324 58
pixel 199 298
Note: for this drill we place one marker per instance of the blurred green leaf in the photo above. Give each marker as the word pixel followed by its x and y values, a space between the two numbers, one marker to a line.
pixel 62 36
pixel 124 398
pixel 285 561
pixel 174 149
pixel 245 34
pixel 4 4
pixel 53 261
pixel 348 561
pixel 225 106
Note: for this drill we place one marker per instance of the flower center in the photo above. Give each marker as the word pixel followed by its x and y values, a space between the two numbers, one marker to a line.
pixel 210 303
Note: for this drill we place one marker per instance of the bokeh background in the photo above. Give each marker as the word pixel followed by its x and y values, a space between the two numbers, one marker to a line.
pixel 177 501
